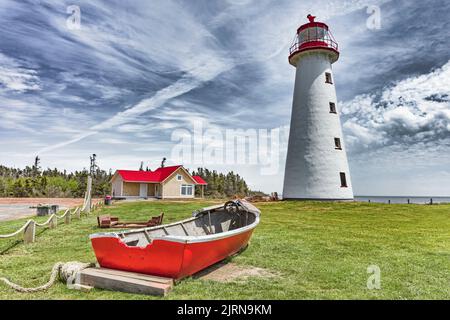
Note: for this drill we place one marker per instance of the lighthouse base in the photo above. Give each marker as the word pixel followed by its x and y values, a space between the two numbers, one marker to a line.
pixel 317 199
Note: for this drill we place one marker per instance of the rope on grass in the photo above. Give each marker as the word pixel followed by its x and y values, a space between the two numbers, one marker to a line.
pixel 46 222
pixel 65 271
pixel 17 232
pixel 75 211
pixel 64 214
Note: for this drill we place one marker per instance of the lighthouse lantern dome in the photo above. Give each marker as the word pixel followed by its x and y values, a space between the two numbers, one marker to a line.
pixel 313 36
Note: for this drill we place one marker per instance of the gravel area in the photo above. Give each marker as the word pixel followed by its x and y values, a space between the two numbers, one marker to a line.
pixel 15 208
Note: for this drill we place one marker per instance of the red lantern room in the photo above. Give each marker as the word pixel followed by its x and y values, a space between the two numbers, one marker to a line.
pixel 313 36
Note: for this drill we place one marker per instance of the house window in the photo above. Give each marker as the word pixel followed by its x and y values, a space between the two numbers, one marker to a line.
pixel 179 177
pixel 328 78
pixel 187 190
pixel 343 180
pixel 333 107
pixel 337 144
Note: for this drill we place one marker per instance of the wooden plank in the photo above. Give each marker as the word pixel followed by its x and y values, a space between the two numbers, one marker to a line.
pixel 135 275
pixel 210 227
pixel 184 229
pixel 147 236
pixel 82 288
pixel 97 279
pixel 91 277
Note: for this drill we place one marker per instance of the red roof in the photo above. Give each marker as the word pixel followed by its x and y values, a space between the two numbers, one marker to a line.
pixel 312 24
pixel 200 180
pixel 157 176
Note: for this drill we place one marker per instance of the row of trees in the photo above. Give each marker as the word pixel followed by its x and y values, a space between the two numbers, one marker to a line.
pixel 52 183
pixel 34 182
pixel 222 185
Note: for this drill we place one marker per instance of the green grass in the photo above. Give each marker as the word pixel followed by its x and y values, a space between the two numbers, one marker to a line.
pixel 319 250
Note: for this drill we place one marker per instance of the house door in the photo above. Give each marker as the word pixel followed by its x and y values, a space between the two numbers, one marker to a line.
pixel 143 190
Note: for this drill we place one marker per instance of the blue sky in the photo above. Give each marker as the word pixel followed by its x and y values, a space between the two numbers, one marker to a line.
pixel 137 71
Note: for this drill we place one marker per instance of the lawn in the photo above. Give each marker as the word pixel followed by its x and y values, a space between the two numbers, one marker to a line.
pixel 318 250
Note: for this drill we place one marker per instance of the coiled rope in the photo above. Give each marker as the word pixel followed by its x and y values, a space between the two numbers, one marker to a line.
pixel 65 271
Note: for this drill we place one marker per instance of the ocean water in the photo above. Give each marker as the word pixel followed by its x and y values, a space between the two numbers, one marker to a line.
pixel 403 200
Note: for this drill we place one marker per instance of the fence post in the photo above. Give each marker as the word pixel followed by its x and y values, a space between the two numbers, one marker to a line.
pixel 77 213
pixel 29 234
pixel 88 200
pixel 53 222
pixel 67 218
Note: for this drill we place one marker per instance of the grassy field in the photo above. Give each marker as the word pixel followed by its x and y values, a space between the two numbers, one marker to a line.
pixel 319 251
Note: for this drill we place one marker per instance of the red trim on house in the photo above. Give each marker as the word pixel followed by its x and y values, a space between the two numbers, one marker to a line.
pixel 199 180
pixel 157 176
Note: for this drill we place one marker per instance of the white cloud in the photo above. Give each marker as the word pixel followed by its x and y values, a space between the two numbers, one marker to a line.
pixel 15 77
pixel 189 51
pixel 411 111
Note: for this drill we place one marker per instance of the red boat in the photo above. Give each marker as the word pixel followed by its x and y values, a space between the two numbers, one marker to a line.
pixel 180 249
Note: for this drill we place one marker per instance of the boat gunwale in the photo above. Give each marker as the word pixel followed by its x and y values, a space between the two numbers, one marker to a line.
pixel 185 239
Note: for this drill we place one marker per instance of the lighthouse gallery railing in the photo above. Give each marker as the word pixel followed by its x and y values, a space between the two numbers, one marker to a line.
pixel 324 42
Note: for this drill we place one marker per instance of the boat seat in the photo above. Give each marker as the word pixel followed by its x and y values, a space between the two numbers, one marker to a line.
pixel 132 243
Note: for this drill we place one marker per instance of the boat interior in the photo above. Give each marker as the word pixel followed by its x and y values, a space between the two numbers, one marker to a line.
pixel 209 221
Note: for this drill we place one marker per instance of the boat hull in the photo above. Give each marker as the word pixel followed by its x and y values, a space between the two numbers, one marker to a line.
pixel 168 258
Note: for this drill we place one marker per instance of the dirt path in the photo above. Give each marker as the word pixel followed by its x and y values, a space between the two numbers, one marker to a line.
pixel 229 272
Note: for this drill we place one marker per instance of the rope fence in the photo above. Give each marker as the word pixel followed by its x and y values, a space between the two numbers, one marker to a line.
pixel 28 230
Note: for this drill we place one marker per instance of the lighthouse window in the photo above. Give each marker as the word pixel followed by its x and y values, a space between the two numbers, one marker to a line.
pixel 343 180
pixel 303 36
pixel 328 78
pixel 333 107
pixel 337 143
pixel 311 34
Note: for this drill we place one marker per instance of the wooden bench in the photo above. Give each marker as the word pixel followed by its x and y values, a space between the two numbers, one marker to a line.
pixel 106 222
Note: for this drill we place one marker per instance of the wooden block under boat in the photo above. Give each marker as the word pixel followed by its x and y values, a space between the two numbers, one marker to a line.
pixel 122 281
pixel 135 275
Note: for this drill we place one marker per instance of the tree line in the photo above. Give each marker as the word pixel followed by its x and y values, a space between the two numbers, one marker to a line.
pixel 52 183
pixel 32 181
pixel 223 185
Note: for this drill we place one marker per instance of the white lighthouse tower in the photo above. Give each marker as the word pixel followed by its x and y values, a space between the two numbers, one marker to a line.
pixel 316 165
